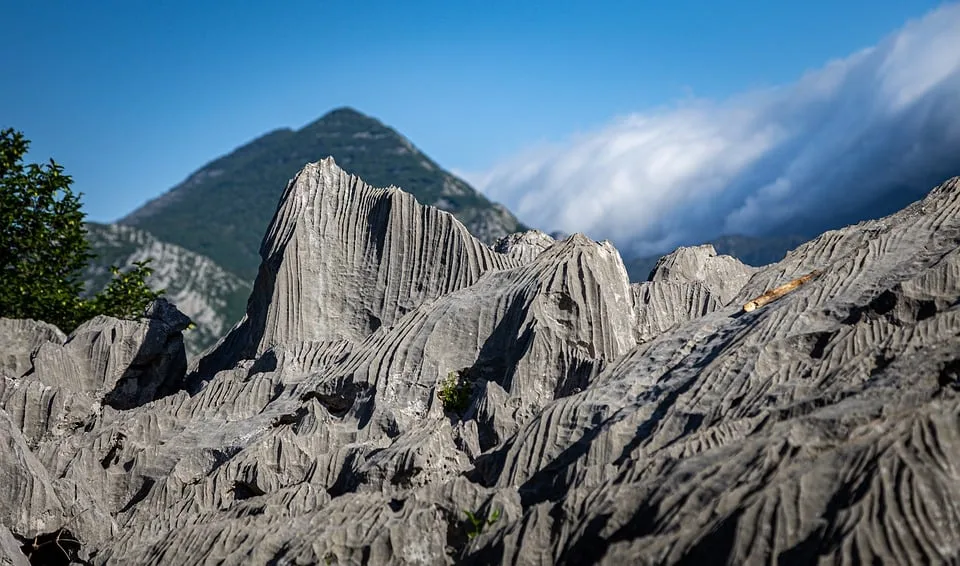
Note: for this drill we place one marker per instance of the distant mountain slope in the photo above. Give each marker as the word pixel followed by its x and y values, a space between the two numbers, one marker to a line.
pixel 212 297
pixel 222 210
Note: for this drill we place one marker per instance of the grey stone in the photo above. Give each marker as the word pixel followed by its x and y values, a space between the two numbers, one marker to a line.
pixel 686 284
pixel 21 338
pixel 28 501
pixel 722 275
pixel 10 553
pixel 524 246
pixel 166 312
pixel 601 423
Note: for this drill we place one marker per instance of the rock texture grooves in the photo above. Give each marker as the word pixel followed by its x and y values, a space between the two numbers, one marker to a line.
pixel 601 423
pixel 341 259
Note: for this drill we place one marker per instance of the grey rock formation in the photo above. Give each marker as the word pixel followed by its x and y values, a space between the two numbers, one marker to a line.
pixel 723 275
pixel 816 430
pixel 751 250
pixel 684 285
pixel 59 389
pixel 20 339
pixel 10 553
pixel 524 246
pixel 392 372
pixel 28 500
pixel 342 259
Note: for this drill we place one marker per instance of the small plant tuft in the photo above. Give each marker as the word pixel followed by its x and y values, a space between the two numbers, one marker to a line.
pixel 454 392
pixel 476 524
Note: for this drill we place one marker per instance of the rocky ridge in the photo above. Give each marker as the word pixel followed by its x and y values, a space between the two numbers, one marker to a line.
pixel 598 422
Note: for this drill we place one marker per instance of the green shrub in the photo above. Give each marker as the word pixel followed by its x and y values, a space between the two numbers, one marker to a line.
pixel 127 293
pixel 454 392
pixel 43 248
pixel 476 524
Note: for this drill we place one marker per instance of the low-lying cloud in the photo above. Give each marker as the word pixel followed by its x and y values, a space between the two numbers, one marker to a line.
pixel 861 136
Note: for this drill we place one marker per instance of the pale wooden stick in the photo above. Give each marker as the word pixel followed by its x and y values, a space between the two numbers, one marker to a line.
pixel 780 291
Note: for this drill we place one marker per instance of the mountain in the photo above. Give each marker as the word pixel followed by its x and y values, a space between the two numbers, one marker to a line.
pixel 751 250
pixel 222 210
pixel 212 297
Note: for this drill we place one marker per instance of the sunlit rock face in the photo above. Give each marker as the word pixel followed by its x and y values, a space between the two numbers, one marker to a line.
pixel 393 372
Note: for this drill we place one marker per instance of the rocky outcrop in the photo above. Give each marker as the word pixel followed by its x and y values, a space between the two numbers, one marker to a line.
pixel 55 390
pixel 393 374
pixel 20 339
pixel 342 259
pixel 723 276
pixel 818 429
pixel 59 384
pixel 684 285
pixel 524 246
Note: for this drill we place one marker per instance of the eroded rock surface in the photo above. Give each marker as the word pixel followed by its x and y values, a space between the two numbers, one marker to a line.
pixel 54 392
pixel 684 285
pixel 393 372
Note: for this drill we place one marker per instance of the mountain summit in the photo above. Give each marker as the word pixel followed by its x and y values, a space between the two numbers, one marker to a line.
pixel 222 210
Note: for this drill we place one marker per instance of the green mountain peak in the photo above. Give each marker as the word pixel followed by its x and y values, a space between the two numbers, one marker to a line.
pixel 222 210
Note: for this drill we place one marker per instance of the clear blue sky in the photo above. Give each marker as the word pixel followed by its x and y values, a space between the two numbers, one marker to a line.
pixel 131 96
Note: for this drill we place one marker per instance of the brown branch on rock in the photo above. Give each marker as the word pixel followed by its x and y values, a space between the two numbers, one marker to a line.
pixel 776 293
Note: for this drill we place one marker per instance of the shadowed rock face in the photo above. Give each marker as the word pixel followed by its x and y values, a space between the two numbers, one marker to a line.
pixel 600 422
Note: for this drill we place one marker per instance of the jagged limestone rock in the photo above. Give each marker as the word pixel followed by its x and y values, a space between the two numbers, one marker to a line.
pixel 28 502
pixel 723 276
pixel 524 246
pixel 21 338
pixel 342 259
pixel 684 285
pixel 104 362
pixel 70 388
pixel 124 363
pixel 10 553
pixel 833 410
pixel 600 424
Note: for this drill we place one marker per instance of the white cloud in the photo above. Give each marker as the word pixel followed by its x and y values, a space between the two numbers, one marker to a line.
pixel 790 159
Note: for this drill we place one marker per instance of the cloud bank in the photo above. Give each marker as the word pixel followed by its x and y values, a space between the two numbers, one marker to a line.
pixel 861 136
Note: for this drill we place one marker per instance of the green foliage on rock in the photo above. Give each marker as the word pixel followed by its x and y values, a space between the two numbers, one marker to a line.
pixel 477 523
pixel 126 294
pixel 44 250
pixel 454 392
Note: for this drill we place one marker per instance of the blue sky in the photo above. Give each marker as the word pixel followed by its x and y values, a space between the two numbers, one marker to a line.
pixel 132 96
